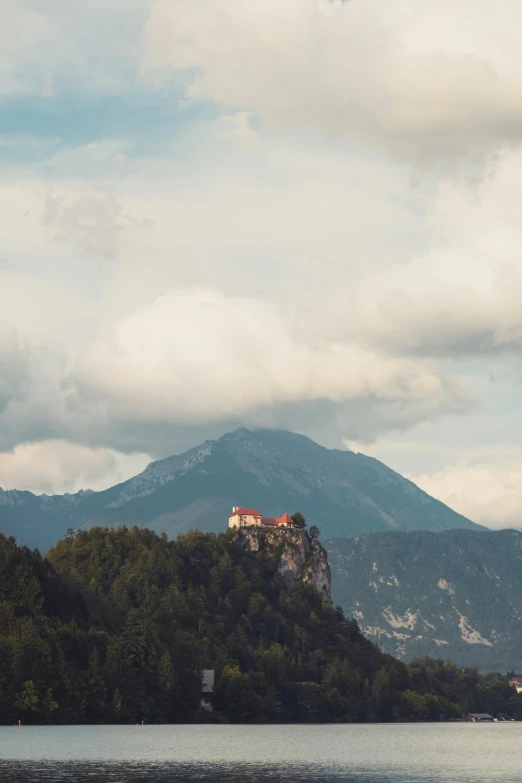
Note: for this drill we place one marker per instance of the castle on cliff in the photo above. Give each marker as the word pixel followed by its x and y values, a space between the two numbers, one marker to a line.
pixel 243 517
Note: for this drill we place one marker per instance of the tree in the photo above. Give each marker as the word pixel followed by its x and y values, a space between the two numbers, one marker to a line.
pixel 314 532
pixel 27 700
pixel 235 697
pixel 298 519
pixel 119 626
pixel 382 695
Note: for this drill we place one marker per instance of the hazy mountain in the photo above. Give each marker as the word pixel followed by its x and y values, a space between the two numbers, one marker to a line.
pixel 455 594
pixel 342 492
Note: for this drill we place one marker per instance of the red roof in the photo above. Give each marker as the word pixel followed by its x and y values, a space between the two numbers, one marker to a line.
pixel 284 520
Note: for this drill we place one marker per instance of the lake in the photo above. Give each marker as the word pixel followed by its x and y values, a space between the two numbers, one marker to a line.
pixel 400 753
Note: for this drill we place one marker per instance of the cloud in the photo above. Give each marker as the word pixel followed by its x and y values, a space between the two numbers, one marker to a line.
pixel 25 34
pixel 237 127
pixel 57 466
pixel 336 285
pixel 152 380
pixel 91 222
pixel 31 404
pixel 15 357
pixel 488 492
pixel 196 355
pixel 89 43
pixel 461 297
pixel 417 78
pixel 138 357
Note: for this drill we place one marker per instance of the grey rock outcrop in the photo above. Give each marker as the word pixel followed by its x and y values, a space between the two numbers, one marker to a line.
pixel 300 559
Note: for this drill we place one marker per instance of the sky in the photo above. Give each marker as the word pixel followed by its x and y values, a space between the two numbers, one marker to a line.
pixel 303 214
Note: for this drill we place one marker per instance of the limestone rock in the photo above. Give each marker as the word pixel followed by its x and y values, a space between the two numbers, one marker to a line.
pixel 300 559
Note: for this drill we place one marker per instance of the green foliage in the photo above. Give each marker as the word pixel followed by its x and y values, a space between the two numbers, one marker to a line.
pixel 117 625
pixel 314 532
pixel 298 519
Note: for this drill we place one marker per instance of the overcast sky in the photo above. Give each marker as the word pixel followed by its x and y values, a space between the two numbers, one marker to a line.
pixel 295 213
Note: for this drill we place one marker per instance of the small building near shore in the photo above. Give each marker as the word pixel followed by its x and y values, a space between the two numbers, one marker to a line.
pixel 207 688
pixel 480 717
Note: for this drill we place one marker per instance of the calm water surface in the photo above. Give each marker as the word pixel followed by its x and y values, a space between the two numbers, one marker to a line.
pixel 429 753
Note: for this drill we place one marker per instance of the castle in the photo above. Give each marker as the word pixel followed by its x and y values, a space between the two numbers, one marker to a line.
pixel 242 517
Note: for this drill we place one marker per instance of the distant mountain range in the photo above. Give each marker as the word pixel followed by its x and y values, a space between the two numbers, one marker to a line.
pixel 455 594
pixel 344 493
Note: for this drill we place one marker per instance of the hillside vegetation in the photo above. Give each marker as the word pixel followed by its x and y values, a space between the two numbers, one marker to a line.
pixel 116 626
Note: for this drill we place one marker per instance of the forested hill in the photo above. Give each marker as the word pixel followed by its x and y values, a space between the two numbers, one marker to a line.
pixel 116 626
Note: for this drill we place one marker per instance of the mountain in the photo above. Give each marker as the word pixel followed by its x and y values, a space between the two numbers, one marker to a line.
pixel 342 492
pixel 456 594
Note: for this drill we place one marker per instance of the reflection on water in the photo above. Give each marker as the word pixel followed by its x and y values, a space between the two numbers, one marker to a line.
pixel 168 772
pixel 436 753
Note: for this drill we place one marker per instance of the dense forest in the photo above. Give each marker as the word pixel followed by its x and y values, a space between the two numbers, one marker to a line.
pixel 117 625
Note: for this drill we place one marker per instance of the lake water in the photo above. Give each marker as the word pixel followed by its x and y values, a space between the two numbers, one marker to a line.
pixel 404 753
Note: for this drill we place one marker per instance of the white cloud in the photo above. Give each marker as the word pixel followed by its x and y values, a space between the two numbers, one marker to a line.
pixel 198 355
pixel 89 42
pixel 237 127
pixel 286 244
pixel 15 357
pixel 488 492
pixel 57 466
pixel 416 77
pixel 24 34
pixel 92 222
pixel 152 380
pixel 332 286
pixel 461 297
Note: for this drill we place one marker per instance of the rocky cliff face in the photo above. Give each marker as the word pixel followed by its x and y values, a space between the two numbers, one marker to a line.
pixel 300 560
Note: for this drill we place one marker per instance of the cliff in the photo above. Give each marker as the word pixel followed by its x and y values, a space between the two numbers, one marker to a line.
pixel 299 558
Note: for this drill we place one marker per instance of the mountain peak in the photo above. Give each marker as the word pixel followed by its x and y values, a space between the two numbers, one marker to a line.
pixel 239 434
pixel 342 492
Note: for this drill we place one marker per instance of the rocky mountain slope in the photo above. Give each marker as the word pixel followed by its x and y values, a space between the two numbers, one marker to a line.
pixel 342 492
pixel 455 594
pixel 298 558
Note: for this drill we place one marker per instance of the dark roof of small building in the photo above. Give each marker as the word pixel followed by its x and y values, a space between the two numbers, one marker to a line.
pixel 480 715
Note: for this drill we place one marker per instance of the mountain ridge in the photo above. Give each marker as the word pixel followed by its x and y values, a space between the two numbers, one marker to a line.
pixel 450 594
pixel 342 492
